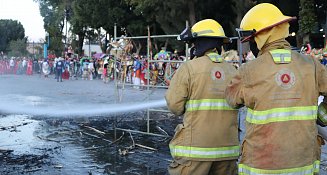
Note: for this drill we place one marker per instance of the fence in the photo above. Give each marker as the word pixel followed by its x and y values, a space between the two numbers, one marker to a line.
pixel 148 86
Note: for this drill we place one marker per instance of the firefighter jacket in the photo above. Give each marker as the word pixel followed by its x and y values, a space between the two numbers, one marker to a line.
pixel 280 89
pixel 210 127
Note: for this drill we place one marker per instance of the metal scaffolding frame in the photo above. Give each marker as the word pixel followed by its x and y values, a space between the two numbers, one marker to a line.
pixel 150 60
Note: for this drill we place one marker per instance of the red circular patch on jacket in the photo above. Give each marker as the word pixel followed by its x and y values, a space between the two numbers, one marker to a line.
pixel 217 74
pixel 285 78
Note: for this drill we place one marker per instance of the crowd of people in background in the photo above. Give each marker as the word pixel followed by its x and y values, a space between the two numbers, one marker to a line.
pixel 316 53
pixel 129 69
pixel 18 66
pixel 65 68
pixel 132 69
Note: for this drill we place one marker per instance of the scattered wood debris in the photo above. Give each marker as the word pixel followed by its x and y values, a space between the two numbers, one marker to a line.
pixel 93 129
pixel 95 136
pixel 58 166
pixel 3 128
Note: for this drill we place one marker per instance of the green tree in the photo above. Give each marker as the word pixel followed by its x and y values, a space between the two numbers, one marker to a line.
pixel 96 14
pixel 10 30
pixel 308 18
pixel 321 11
pixel 17 48
pixel 53 13
pixel 86 17
pixel 171 15
pixel 79 29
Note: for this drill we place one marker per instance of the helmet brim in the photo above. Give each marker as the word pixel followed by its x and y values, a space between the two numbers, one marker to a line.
pixel 186 35
pixel 283 20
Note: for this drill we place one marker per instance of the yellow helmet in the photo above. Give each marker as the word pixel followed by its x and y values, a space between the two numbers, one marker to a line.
pixel 208 28
pixel 262 17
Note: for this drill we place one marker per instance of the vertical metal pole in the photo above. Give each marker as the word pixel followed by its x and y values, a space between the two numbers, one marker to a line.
pixel 115 32
pixel 186 45
pixel 148 43
pixel 115 63
pixel 116 90
pixel 89 47
pixel 115 77
pixel 33 50
pixel 46 45
pixel 48 40
pixel 45 51
pixel 149 59
pixel 148 87
pixel 66 31
pixel 240 48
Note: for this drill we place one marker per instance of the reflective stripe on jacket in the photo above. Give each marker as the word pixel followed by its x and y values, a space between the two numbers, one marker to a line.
pixel 215 57
pixel 281 55
pixel 306 170
pixel 207 104
pixel 210 127
pixel 280 89
pixel 281 114
pixel 195 152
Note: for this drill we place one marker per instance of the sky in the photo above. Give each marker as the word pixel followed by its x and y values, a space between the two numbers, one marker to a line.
pixel 27 13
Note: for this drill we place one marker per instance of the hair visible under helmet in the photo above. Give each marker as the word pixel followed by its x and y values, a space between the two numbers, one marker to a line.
pixel 265 23
pixel 206 34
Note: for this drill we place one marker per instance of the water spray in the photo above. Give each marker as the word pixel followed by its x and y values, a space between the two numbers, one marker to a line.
pixel 41 107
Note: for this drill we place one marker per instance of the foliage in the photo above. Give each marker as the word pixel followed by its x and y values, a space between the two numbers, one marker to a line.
pixel 170 16
pixel 10 30
pixel 308 18
pixel 17 48
pixel 88 17
pixel 53 15
pixel 321 11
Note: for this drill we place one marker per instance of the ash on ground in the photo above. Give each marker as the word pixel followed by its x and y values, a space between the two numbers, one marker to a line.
pixel 85 145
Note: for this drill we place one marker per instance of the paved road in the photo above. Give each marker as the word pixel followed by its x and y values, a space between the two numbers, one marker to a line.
pixel 38 95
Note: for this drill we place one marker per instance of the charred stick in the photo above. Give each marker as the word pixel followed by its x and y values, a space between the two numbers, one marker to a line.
pixel 118 139
pixel 47 139
pixel 97 137
pixel 163 131
pixel 146 147
pixel 133 146
pixel 93 129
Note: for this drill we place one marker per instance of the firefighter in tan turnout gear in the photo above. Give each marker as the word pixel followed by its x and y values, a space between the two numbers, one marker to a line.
pixel 280 89
pixel 207 141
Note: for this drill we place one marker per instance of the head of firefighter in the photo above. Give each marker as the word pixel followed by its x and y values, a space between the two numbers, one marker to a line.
pixel 205 35
pixel 264 24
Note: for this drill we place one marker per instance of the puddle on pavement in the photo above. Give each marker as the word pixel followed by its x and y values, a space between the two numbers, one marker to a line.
pixel 66 146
